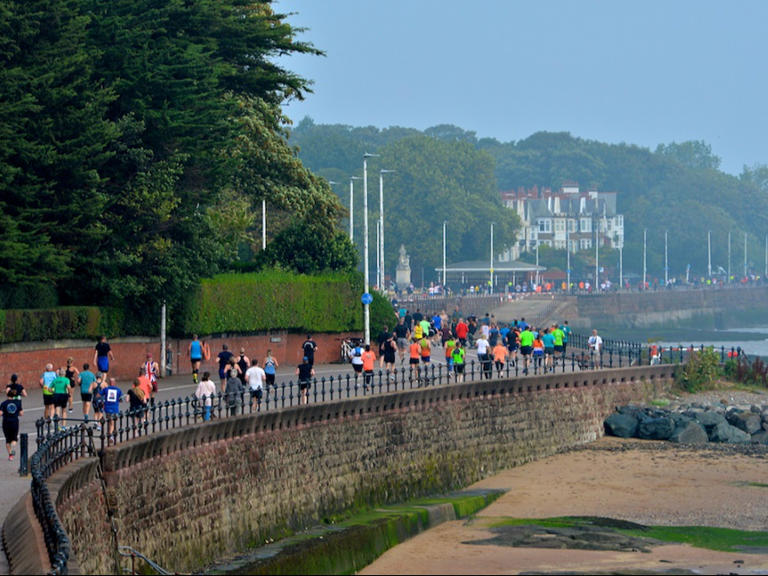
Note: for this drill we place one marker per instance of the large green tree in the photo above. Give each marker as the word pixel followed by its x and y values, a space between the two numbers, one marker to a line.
pixel 132 132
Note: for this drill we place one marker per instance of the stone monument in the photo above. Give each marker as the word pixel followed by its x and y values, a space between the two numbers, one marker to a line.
pixel 403 273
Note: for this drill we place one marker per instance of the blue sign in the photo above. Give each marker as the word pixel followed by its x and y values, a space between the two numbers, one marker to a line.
pixel 367 298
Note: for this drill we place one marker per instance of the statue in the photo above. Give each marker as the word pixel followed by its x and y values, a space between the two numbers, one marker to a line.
pixel 403 273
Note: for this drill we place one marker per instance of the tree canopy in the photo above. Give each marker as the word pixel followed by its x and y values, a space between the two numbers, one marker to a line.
pixel 137 141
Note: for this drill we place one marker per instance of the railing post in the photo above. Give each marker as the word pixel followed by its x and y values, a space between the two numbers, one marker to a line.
pixel 23 454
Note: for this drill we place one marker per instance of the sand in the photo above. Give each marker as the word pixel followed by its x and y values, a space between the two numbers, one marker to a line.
pixel 650 483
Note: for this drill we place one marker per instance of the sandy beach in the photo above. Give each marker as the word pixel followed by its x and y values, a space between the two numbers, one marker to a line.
pixel 650 483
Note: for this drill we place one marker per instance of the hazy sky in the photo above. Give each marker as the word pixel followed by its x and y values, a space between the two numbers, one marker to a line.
pixel 641 72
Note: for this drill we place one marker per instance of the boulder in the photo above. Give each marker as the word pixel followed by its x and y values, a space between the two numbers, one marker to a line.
pixel 710 419
pixel 760 437
pixel 744 420
pixel 655 427
pixel 690 433
pixel 621 425
pixel 726 433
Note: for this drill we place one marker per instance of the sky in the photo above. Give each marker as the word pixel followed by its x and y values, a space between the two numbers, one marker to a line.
pixel 644 72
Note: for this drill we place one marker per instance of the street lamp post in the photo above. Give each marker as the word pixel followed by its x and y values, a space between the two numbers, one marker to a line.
pixel 645 246
pixel 444 268
pixel 490 289
pixel 666 261
pixel 709 254
pixel 381 227
pixel 352 207
pixel 366 306
pixel 729 257
pixel 263 223
pixel 745 254
pixel 567 257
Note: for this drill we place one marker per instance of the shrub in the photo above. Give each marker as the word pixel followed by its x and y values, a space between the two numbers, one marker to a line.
pixel 701 370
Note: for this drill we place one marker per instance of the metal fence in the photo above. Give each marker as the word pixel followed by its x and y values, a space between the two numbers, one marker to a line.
pixel 57 446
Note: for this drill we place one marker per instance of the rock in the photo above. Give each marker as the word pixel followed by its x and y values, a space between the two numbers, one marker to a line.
pixel 726 433
pixel 760 437
pixel 710 419
pixel 690 433
pixel 654 427
pixel 749 422
pixel 621 425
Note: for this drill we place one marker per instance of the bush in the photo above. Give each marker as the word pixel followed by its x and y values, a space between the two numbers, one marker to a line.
pixel 72 322
pixel 276 300
pixel 701 370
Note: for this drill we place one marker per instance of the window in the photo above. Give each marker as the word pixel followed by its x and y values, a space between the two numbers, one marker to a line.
pixel 545 225
pixel 559 225
pixel 585 243
pixel 585 224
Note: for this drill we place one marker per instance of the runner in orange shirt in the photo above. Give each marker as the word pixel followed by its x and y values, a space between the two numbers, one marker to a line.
pixel 500 354
pixel 369 361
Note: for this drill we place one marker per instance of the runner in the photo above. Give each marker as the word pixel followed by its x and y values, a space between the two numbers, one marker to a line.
pixel 195 356
pixel 103 355
pixel 45 383
pixel 270 369
pixel 86 380
pixel 152 370
pixel 526 347
pixel 10 411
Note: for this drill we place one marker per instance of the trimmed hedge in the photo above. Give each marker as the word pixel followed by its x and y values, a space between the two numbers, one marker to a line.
pixel 72 322
pixel 276 300
pixel 227 303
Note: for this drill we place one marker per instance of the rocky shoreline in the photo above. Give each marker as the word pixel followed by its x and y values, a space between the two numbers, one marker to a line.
pixel 713 417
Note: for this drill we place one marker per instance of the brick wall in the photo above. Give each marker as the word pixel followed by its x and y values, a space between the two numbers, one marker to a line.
pixel 185 498
pixel 29 360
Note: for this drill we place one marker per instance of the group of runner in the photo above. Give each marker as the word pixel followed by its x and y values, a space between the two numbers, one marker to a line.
pixel 497 344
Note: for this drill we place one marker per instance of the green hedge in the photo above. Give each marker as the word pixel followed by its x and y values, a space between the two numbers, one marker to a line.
pixel 231 303
pixel 73 322
pixel 276 300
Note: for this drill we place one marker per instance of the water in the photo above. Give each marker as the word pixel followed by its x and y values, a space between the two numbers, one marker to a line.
pixel 753 340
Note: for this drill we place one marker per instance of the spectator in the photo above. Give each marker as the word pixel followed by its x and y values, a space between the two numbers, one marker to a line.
pixel 153 373
pixel 206 390
pixel 233 391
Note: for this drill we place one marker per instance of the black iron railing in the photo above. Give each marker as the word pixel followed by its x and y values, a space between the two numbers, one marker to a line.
pixel 57 446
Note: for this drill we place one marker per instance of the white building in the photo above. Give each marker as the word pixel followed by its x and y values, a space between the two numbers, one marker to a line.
pixel 570 215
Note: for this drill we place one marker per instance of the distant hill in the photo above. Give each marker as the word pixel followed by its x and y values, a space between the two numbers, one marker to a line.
pixel 677 188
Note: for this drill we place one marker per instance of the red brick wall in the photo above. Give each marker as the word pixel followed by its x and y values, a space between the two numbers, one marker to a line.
pixel 29 360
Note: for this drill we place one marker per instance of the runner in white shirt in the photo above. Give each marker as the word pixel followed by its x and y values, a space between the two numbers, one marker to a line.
pixel 255 378
pixel 596 347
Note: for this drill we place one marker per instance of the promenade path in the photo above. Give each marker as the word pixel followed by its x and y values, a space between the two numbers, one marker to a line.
pixel 170 387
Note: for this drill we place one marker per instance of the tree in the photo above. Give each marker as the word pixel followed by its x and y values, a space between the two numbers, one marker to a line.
pixel 694 154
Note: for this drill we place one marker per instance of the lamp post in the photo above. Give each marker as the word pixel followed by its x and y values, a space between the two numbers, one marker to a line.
pixel 490 289
pixel 444 268
pixel 729 257
pixel 352 207
pixel 567 258
pixel 666 261
pixel 366 306
pixel 597 254
pixel 709 253
pixel 381 227
pixel 645 246
pixel 745 254
pixel 263 223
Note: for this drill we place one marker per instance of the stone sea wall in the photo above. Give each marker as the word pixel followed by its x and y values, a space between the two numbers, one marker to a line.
pixel 186 498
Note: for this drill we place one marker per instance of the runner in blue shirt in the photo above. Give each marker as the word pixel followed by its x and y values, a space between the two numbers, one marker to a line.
pixel 112 398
